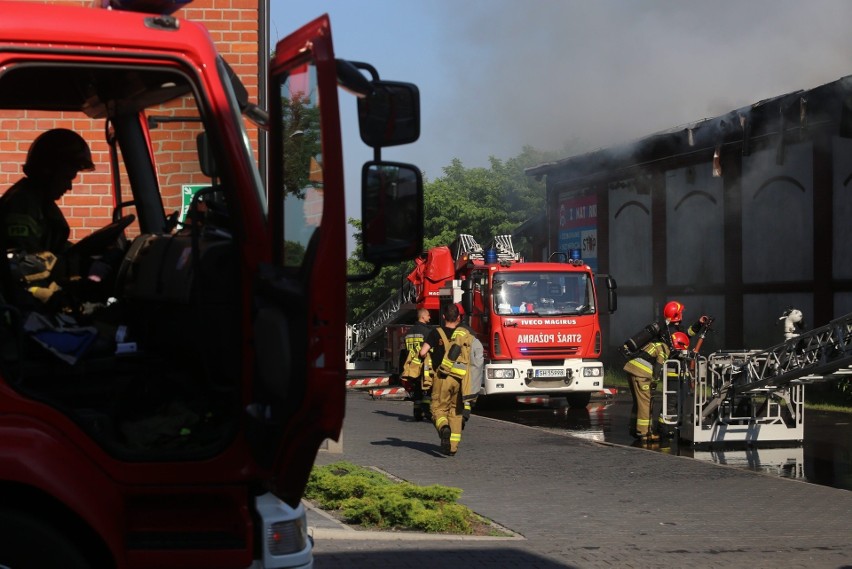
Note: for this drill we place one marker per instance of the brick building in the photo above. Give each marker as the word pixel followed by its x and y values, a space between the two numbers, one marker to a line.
pixel 233 25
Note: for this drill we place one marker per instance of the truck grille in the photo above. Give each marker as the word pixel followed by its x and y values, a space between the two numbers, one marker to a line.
pixel 563 351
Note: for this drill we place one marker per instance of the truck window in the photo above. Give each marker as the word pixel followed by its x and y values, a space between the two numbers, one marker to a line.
pixel 543 293
pixel 303 173
pixel 137 337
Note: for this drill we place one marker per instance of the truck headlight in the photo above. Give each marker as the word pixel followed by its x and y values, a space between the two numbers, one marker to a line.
pixel 501 373
pixel 592 372
pixel 286 537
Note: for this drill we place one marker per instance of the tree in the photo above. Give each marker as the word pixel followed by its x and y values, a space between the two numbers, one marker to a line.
pixel 364 296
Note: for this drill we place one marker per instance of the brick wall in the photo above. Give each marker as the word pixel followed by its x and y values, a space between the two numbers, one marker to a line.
pixel 233 27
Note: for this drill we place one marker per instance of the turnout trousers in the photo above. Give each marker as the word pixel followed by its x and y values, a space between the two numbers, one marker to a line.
pixel 447 408
pixel 640 388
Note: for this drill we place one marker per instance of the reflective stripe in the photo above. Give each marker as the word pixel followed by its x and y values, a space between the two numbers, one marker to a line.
pixel 643 422
pixel 441 421
pixel 455 437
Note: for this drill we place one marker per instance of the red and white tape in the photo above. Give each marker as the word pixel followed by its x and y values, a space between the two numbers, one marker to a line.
pixel 388 391
pixel 367 382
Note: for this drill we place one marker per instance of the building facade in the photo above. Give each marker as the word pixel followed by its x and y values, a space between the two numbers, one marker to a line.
pixel 738 217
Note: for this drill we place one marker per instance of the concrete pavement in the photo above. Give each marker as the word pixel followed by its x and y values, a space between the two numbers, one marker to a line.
pixel 579 503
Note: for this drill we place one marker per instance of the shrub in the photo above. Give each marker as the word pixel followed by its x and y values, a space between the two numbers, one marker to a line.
pixel 367 498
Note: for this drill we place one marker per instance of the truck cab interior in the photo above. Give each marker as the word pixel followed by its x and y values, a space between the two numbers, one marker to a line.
pixel 140 343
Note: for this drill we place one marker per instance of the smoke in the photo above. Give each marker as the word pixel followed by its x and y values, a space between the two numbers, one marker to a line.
pixel 575 75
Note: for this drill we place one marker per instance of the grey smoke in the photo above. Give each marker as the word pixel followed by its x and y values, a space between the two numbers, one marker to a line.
pixel 580 75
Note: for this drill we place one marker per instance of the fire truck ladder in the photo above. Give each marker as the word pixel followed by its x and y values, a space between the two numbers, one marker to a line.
pixel 467 244
pixel 397 306
pixel 758 395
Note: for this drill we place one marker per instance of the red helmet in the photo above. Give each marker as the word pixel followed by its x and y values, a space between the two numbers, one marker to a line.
pixel 673 311
pixel 680 341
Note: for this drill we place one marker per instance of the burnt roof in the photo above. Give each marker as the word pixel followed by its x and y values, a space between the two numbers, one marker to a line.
pixel 799 113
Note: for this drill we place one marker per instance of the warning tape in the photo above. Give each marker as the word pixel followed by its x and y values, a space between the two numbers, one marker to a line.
pixel 367 382
pixel 397 391
pixel 532 400
pixel 540 399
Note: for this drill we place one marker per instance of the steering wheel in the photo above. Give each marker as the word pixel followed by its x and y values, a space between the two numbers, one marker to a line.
pixel 98 241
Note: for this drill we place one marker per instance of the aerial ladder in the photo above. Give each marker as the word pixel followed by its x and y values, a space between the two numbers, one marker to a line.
pixel 754 396
pixel 370 330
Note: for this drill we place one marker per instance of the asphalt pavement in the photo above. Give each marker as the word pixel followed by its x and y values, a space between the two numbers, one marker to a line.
pixel 572 502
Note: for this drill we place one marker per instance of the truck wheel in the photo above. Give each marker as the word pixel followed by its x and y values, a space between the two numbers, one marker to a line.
pixel 27 542
pixel 579 400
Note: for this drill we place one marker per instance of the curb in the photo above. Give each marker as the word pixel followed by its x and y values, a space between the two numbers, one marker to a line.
pixel 326 526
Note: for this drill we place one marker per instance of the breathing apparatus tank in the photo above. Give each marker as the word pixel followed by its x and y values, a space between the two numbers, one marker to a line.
pixel 639 339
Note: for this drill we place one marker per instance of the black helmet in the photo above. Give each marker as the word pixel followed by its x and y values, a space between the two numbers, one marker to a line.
pixel 55 148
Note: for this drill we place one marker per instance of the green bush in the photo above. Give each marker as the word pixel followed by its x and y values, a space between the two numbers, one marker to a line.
pixel 367 498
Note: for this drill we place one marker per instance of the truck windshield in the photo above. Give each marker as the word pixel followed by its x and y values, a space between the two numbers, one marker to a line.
pixel 543 293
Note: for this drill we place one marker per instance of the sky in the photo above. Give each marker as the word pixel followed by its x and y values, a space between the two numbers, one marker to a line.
pixel 572 76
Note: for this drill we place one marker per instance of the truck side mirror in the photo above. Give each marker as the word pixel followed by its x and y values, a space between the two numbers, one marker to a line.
pixel 206 160
pixel 391 212
pixel 390 114
pixel 612 296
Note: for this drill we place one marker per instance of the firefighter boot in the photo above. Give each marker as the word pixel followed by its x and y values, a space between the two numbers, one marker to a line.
pixel 445 439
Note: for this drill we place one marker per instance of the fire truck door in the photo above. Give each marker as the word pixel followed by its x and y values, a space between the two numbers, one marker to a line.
pixel 300 324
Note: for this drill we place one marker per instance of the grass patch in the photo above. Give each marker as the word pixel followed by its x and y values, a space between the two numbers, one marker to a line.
pixel 366 498
pixel 615 377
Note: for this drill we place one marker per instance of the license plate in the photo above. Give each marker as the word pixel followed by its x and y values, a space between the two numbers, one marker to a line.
pixel 549 373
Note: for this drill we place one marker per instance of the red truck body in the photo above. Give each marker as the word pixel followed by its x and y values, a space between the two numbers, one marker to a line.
pixel 183 432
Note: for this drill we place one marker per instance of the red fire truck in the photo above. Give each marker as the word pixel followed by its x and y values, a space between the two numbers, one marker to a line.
pixel 538 322
pixel 164 406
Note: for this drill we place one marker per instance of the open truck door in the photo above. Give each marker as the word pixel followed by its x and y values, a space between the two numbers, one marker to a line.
pixel 300 317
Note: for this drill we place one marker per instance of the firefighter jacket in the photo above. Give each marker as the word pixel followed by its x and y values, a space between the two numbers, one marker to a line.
pixel 30 223
pixel 649 360
pixel 413 342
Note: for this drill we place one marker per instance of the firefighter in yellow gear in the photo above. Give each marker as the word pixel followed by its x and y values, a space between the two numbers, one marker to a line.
pixel 414 338
pixel 447 390
pixel 644 370
pixel 644 364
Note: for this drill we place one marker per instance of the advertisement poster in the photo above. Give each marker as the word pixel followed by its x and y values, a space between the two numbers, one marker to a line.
pixel 578 226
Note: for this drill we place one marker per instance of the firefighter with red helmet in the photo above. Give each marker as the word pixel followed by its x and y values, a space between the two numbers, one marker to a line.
pixel 644 369
pixel 648 351
pixel 673 313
